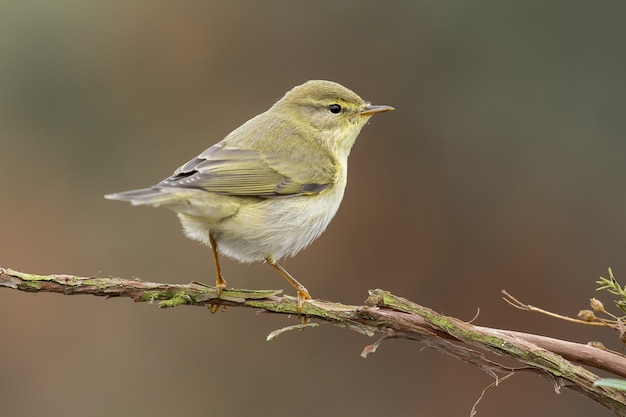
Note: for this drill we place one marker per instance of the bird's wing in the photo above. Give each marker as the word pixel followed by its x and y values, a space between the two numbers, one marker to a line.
pixel 232 170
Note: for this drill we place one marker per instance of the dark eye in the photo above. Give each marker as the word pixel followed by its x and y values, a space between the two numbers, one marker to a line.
pixel 334 108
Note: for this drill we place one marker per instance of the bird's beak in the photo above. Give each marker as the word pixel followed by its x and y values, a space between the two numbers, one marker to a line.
pixel 373 109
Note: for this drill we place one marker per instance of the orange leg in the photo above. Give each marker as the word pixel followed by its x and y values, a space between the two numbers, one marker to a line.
pixel 220 282
pixel 303 293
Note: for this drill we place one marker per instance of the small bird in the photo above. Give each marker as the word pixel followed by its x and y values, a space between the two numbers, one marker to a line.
pixel 270 187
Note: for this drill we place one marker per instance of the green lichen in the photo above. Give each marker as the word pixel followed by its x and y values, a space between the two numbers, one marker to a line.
pixel 151 296
pixel 30 281
pixel 30 277
pixel 100 283
pixel 177 299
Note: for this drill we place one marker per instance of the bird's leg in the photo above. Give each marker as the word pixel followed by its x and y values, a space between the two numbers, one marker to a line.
pixel 220 282
pixel 303 294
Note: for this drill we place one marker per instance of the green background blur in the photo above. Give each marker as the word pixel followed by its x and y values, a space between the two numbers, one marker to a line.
pixel 502 168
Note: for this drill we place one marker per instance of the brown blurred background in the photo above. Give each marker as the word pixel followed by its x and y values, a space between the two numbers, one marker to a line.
pixel 501 168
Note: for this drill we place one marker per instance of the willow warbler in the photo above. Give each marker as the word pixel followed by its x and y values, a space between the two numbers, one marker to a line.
pixel 270 187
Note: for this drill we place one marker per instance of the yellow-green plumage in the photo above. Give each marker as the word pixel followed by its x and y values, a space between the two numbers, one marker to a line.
pixel 270 187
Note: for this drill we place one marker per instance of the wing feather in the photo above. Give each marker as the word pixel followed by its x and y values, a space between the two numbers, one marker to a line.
pixel 246 172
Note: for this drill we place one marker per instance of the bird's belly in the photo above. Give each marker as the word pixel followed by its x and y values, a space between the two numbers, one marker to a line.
pixel 270 228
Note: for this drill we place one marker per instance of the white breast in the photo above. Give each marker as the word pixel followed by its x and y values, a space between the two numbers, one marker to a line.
pixel 274 228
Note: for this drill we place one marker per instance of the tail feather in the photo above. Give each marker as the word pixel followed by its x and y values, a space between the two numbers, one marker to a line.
pixel 144 196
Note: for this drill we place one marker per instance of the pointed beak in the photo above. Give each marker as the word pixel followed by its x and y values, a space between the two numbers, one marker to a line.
pixel 371 109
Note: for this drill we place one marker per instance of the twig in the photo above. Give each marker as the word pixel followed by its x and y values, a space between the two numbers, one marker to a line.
pixel 527 307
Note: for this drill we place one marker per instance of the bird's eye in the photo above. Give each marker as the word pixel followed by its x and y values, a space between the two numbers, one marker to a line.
pixel 334 108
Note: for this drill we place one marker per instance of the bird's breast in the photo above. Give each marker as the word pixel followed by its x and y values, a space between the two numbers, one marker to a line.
pixel 277 228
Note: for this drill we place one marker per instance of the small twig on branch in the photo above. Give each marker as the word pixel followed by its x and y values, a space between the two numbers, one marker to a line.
pixel 526 307
pixel 586 317
pixel 384 314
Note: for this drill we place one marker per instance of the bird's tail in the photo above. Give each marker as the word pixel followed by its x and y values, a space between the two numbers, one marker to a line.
pixel 144 197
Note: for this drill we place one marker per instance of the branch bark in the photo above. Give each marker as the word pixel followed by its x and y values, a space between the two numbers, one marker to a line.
pixel 384 314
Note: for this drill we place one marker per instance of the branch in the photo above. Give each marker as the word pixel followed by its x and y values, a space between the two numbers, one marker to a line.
pixel 384 314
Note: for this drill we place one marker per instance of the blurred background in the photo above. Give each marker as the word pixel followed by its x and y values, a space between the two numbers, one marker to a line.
pixel 502 168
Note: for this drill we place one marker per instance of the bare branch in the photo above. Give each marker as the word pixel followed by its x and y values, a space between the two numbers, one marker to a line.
pixel 384 314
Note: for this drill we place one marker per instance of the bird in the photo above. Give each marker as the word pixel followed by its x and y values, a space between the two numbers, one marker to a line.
pixel 270 187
